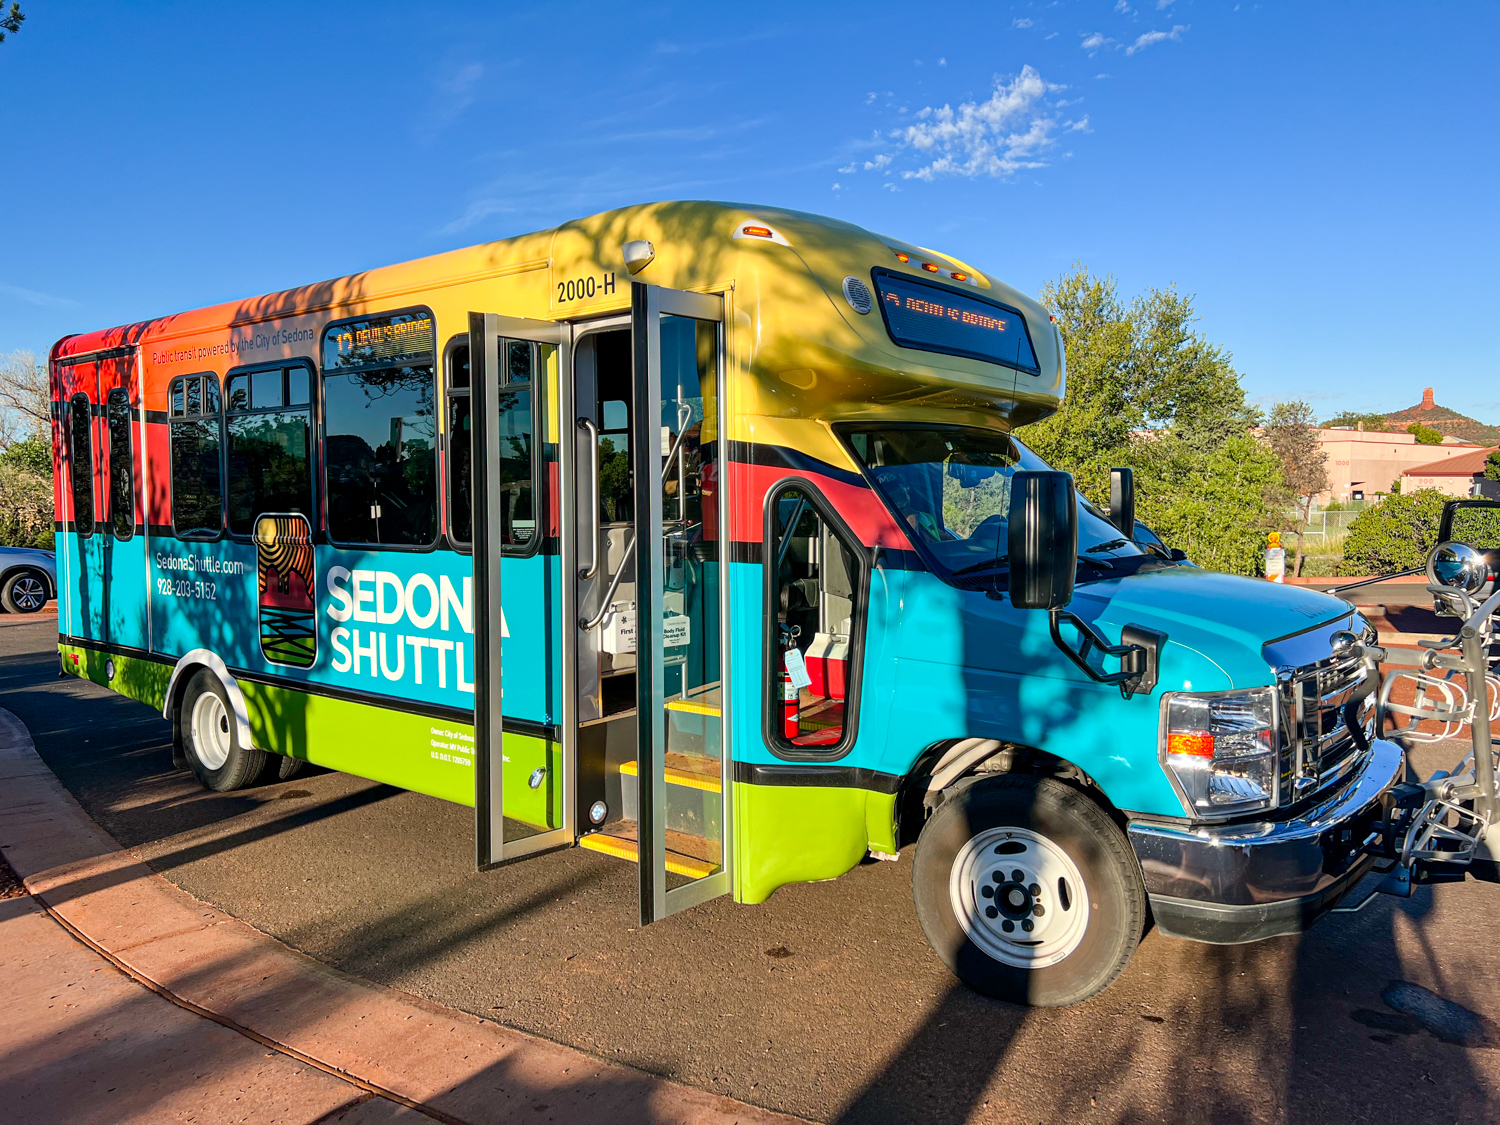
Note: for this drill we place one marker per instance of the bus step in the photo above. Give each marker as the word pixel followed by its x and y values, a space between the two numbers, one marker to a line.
pixel 693 707
pixel 685 770
pixel 620 842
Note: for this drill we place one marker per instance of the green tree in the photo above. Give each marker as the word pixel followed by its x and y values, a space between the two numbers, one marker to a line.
pixel 1492 465
pixel 1425 435
pixel 32 455
pixel 12 20
pixel 1354 420
pixel 1147 391
pixel 1395 534
pixel 1293 437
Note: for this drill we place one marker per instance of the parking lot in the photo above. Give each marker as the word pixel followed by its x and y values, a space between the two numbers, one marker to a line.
pixel 823 1002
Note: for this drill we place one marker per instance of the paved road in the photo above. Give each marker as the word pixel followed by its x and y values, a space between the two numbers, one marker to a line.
pixel 824 1001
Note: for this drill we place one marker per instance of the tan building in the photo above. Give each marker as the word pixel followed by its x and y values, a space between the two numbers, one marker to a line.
pixel 1453 476
pixel 1363 464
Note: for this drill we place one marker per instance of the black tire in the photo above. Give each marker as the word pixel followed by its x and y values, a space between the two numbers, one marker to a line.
pixel 285 768
pixel 24 592
pixel 1066 822
pixel 214 752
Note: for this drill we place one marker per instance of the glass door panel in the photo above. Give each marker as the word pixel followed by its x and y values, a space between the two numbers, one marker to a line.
pixel 523 784
pixel 682 760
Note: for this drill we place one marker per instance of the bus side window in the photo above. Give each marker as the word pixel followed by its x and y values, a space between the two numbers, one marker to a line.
pixel 380 443
pixel 197 477
pixel 516 471
pixel 269 431
pixel 460 456
pixel 81 454
pixel 816 588
pixel 121 466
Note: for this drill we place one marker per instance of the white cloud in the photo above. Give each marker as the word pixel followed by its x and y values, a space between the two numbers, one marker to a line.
pixel 1094 42
pixel 1122 7
pixel 1014 129
pixel 1163 5
pixel 32 297
pixel 942 62
pixel 1021 23
pixel 1151 37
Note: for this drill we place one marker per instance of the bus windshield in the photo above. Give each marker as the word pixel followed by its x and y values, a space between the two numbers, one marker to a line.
pixel 950 488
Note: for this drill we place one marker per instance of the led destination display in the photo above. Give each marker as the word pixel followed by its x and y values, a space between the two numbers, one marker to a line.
pixel 936 319
pixel 402 338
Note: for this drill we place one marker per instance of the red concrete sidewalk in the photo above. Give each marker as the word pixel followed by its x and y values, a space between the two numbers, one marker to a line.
pixel 240 1027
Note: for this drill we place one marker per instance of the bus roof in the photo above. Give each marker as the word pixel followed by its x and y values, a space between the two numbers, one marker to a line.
pixel 787 265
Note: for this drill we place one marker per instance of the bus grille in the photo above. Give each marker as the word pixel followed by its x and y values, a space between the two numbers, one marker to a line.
pixel 1319 703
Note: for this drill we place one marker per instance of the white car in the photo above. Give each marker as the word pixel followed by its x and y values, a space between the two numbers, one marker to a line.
pixel 28 579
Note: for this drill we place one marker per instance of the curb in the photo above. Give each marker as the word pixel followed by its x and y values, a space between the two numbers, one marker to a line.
pixel 447 1064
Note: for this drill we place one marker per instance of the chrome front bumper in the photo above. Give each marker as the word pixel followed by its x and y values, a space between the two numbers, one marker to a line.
pixel 1246 882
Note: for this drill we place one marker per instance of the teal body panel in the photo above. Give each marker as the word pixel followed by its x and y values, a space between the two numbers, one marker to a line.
pixel 943 663
pixel 204 595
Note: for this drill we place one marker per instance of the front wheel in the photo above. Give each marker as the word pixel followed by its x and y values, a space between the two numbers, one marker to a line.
pixel 1028 891
pixel 24 593
pixel 211 739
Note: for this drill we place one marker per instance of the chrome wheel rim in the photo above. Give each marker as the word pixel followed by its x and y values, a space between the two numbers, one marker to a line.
pixel 1019 897
pixel 29 594
pixel 210 728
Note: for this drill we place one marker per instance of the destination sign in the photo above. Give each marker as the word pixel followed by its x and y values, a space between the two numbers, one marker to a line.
pixel 402 338
pixel 936 319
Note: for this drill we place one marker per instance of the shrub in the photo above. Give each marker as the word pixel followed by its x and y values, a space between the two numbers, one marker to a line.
pixel 1395 534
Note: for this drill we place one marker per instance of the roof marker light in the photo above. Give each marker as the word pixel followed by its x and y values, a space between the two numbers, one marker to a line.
pixel 960 276
pixel 900 257
pixel 929 267
pixel 756 232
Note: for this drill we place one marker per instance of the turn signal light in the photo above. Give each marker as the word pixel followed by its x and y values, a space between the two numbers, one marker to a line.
pixel 1196 743
pixel 757 232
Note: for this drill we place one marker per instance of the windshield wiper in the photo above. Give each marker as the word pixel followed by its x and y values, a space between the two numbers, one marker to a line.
pixel 1112 545
pixel 987 564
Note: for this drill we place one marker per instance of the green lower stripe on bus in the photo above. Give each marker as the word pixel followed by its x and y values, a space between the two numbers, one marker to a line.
pixel 426 755
pixel 805 833
pixel 142 680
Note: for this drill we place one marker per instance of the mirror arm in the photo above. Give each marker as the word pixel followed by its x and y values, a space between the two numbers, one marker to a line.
pixel 1335 590
pixel 1140 655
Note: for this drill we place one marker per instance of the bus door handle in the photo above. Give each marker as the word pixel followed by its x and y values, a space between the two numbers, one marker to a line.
pixel 587 572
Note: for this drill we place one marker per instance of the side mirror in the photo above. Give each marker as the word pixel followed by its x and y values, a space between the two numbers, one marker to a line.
pixel 1043 539
pixel 1122 501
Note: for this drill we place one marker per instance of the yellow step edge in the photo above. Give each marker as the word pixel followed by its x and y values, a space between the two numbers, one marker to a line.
pixel 695 708
pixel 626 849
pixel 679 777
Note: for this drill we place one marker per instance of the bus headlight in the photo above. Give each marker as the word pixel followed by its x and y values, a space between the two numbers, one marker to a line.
pixel 1220 750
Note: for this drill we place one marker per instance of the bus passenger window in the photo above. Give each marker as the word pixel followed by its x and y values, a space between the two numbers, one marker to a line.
pixel 197 480
pixel 270 463
pixel 121 466
pixel 515 472
pixel 460 455
pixel 380 431
pixel 518 515
pixel 816 587
pixel 81 454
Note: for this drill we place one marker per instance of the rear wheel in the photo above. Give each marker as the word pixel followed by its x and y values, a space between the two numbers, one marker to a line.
pixel 1028 891
pixel 25 592
pixel 211 738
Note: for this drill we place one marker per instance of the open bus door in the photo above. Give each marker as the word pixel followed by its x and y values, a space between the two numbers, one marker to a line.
pixel 682 759
pixel 496 838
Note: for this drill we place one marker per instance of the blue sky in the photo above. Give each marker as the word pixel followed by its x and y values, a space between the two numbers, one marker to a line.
pixel 1322 176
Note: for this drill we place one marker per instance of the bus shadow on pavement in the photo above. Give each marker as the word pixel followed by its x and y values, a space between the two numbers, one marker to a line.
pixel 1314 1028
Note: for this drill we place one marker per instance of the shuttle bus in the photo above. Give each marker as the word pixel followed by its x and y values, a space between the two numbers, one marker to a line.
pixel 705 536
